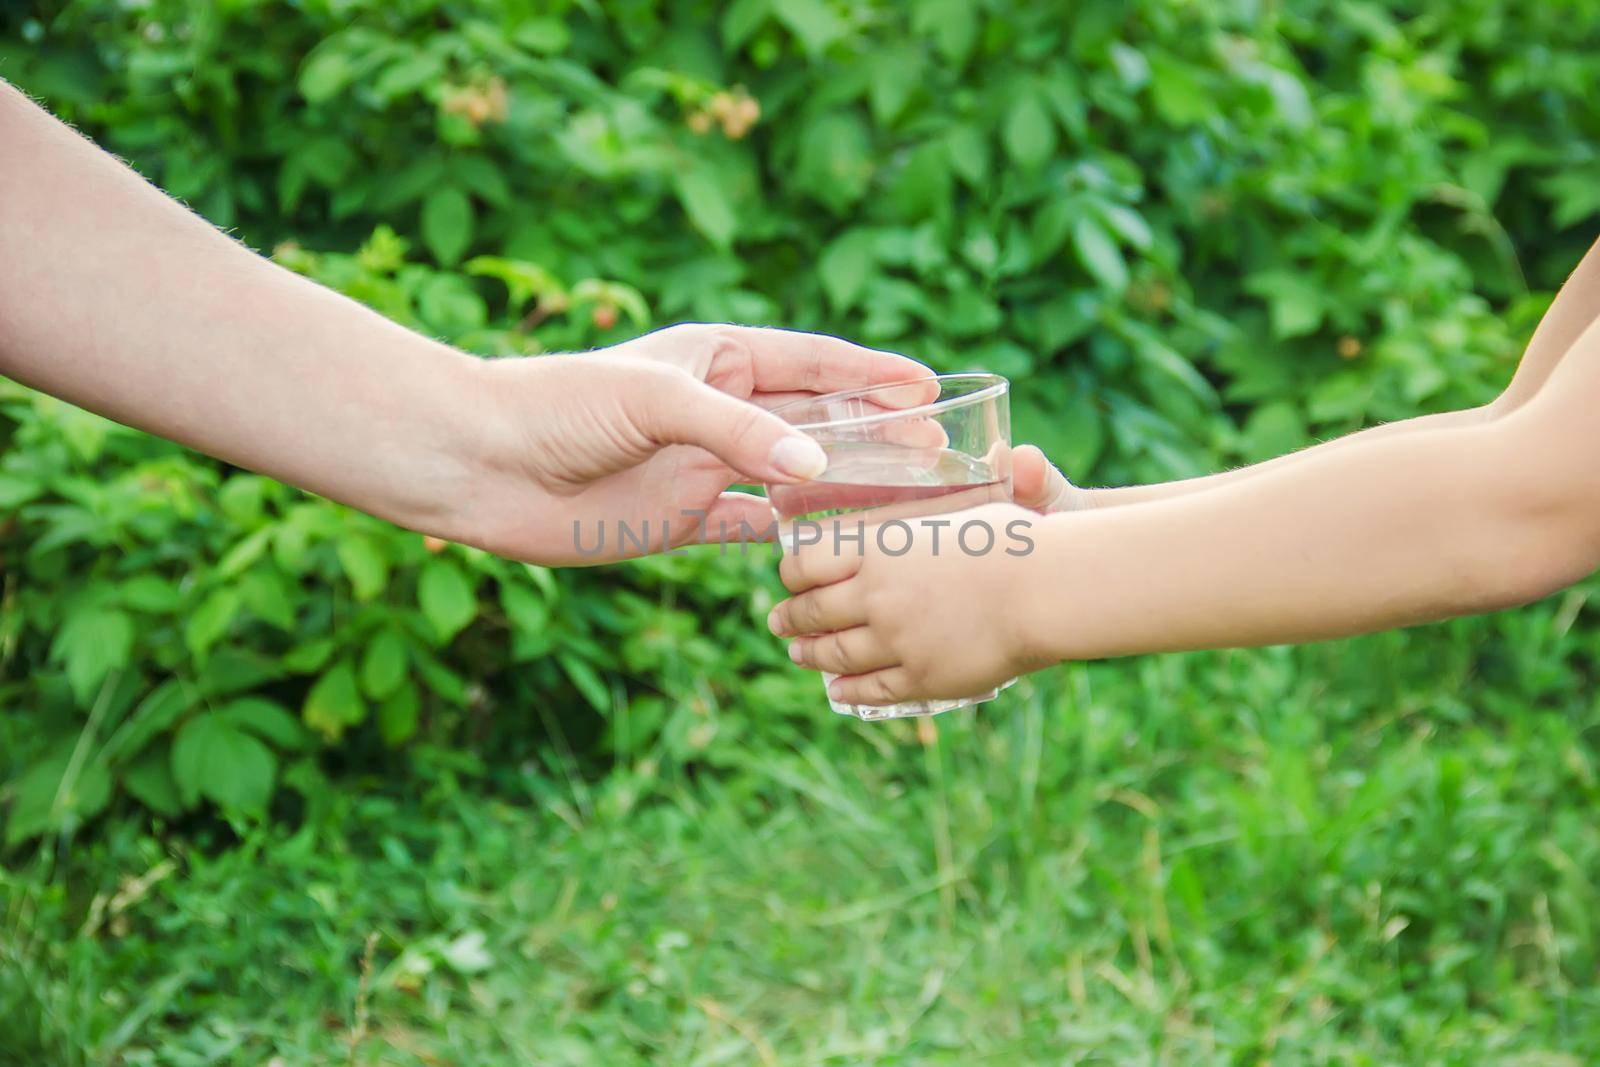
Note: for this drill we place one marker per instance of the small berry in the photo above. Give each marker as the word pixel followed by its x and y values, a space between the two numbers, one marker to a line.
pixel 722 106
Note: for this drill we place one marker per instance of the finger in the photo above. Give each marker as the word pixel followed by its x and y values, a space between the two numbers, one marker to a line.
pixel 792 360
pixel 802 569
pixel 1036 483
pixel 856 651
pixel 773 401
pixel 738 518
pixel 833 607
pixel 755 443
pixel 891 685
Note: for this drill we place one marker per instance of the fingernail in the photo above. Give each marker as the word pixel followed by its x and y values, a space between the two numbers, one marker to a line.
pixel 799 457
pixel 794 651
pixel 775 622
pixel 836 689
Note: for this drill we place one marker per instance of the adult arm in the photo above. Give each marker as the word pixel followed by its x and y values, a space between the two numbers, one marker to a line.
pixel 118 299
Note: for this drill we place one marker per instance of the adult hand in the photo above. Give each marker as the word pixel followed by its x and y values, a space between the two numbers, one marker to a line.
pixel 651 434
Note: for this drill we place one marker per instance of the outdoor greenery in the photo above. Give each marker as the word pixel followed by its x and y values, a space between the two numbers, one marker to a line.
pixel 286 784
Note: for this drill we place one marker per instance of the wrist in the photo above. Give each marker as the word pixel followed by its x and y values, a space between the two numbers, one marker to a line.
pixel 1039 590
pixel 454 451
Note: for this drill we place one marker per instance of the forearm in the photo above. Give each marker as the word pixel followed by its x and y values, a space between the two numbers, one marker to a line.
pixel 1138 494
pixel 1390 533
pixel 114 297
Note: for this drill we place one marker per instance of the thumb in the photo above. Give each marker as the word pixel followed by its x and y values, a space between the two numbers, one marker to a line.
pixel 748 438
pixel 1037 484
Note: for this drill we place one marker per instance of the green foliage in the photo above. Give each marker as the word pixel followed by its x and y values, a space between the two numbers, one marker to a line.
pixel 1194 234
pixel 1327 855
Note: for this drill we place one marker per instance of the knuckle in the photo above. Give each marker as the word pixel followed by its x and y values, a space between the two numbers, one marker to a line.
pixel 881 689
pixel 839 655
pixel 723 339
pixel 748 420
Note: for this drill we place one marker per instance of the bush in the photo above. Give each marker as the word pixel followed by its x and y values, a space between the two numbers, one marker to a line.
pixel 1193 234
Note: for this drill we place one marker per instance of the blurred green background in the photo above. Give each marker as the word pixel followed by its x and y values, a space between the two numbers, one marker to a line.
pixel 285 785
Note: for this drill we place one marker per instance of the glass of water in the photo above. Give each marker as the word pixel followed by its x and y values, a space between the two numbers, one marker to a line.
pixel 896 454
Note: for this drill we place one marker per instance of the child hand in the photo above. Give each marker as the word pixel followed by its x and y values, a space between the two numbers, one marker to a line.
pixel 934 622
pixel 1038 484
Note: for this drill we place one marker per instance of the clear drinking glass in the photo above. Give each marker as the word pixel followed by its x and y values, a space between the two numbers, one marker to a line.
pixel 898 452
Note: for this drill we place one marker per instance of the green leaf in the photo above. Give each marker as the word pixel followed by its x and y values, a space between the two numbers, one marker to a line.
pixel 446 597
pixel 210 621
pixel 365 564
pixel 1294 300
pixel 398 715
pixel 952 23
pixel 241 556
pixel 155 715
pixel 922 188
pixel 15 490
pixel 308 657
pixel 1158 355
pixel 546 36
pixel 1177 93
pixel 1273 429
pixel 707 204
pixel 587 682
pixel 55 795
pixel 267 720
pixel 1099 253
pixel 527 611
pixel 523 281
pixel 326 71
pixel 213 758
pixel 445 683
pixel 327 160
pixel 383 664
pixel 92 643
pixel 449 303
pixel 235 670
pixel 812 21
pixel 242 499
pixel 266 594
pixel 844 267
pixel 447 223
pixel 334 703
pixel 742 18
pixel 1127 224
pixel 150 592
pixel 408 75
pixel 895 76
pixel 836 159
pixel 1576 193
pixel 480 175
pixel 1029 133
pixel 1081 436
pixel 149 780
pixel 967 148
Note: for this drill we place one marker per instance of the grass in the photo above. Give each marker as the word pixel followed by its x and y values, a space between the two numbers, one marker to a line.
pixel 1368 852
